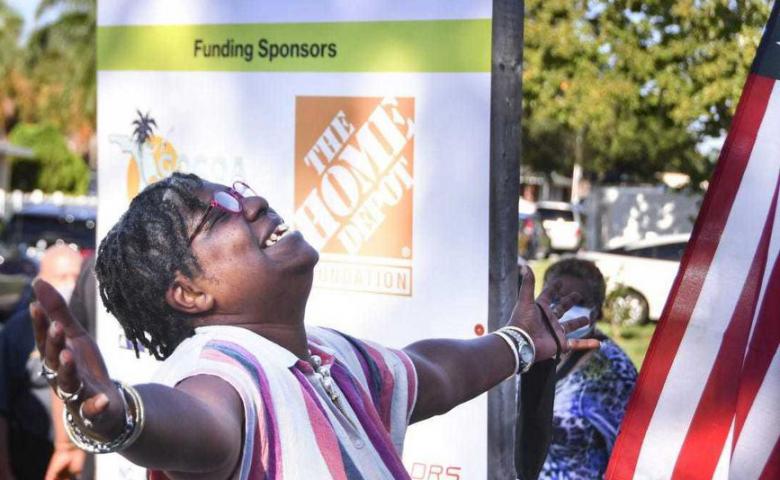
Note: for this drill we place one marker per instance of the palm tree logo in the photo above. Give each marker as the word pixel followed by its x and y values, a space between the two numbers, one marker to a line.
pixel 152 157
pixel 143 128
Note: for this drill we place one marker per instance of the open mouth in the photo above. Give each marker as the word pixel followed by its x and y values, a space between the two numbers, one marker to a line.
pixel 281 231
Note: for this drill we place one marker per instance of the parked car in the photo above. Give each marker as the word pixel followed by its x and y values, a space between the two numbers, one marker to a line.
pixel 29 232
pixel 640 275
pixel 562 225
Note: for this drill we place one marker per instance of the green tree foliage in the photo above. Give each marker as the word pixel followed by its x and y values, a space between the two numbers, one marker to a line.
pixel 10 63
pixel 56 167
pixel 47 92
pixel 61 55
pixel 629 88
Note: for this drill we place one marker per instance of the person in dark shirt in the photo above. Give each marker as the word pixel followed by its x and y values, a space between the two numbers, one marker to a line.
pixel 25 421
pixel 24 402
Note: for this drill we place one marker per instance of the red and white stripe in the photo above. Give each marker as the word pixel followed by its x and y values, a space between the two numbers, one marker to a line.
pixel 707 403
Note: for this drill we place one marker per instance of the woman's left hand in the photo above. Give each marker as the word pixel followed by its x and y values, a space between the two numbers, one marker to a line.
pixel 529 314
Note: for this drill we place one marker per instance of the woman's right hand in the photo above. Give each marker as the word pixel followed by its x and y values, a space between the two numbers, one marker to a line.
pixel 208 443
pixel 67 349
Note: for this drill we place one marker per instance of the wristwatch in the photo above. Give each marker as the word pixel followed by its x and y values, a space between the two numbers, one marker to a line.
pixel 526 350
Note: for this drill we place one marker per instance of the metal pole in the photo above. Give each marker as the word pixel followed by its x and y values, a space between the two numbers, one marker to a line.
pixel 505 115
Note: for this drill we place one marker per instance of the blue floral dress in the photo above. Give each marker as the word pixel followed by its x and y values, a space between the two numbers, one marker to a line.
pixel 589 405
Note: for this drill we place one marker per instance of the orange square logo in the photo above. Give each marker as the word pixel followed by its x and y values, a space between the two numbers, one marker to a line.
pixel 354 177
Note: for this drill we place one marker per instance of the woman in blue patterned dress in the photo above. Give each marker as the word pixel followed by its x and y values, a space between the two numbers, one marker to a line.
pixel 592 388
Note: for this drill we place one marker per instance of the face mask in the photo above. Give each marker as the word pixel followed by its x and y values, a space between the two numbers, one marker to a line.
pixel 577 311
pixel 65 291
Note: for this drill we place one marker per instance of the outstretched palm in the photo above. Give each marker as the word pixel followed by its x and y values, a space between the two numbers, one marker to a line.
pixel 69 351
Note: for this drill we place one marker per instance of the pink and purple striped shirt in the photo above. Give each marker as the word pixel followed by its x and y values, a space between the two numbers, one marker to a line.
pixel 294 428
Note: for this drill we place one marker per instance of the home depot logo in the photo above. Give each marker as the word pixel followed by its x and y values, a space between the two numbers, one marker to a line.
pixel 354 160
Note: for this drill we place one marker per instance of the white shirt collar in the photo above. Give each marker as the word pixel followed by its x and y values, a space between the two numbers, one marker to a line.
pixel 273 352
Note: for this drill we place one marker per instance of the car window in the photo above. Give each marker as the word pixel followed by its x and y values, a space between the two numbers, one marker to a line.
pixel 672 251
pixel 28 229
pixel 553 214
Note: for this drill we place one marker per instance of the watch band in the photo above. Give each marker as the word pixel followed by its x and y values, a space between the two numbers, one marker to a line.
pixel 525 335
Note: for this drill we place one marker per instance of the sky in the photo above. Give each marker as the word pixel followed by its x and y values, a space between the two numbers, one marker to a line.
pixel 26 8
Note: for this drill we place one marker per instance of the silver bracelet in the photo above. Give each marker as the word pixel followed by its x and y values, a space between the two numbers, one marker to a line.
pixel 525 335
pixel 140 417
pixel 524 346
pixel 513 347
pixel 134 421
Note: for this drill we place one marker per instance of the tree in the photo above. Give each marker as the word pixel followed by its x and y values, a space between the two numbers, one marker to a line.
pixel 55 166
pixel 10 66
pixel 629 88
pixel 48 89
pixel 62 63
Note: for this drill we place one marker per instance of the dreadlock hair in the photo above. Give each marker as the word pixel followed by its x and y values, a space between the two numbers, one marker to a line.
pixel 585 270
pixel 137 262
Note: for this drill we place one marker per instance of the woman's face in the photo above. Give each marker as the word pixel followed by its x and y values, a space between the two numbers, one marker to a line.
pixel 571 284
pixel 240 271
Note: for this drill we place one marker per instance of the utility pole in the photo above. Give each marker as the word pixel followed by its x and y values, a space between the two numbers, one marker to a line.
pixel 505 116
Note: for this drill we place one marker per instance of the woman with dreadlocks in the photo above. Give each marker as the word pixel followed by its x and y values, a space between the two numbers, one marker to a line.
pixel 209 278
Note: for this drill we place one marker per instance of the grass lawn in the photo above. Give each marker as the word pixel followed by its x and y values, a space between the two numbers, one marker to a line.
pixel 634 340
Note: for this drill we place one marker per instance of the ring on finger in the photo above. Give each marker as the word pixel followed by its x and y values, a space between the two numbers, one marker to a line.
pixel 87 422
pixel 48 373
pixel 69 397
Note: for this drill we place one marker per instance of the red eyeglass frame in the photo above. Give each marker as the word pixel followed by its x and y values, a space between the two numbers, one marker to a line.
pixel 215 203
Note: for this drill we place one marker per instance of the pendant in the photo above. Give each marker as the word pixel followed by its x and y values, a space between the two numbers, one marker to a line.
pixel 323 374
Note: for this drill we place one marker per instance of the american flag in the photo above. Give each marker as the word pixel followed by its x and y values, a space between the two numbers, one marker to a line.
pixel 707 402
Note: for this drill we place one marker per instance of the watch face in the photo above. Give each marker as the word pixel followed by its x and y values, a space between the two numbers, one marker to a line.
pixel 526 354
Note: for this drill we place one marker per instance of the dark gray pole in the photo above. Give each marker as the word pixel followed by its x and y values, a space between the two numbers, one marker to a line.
pixel 505 114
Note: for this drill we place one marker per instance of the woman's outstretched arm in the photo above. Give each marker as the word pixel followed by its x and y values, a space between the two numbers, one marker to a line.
pixel 450 372
pixel 191 431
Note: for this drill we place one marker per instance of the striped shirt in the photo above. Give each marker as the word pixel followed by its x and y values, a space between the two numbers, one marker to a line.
pixel 294 428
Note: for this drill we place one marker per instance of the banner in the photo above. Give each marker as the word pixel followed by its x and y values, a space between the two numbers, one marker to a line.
pixel 367 127
pixel 706 402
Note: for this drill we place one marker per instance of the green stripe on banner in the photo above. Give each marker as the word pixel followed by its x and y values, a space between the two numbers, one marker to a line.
pixel 408 46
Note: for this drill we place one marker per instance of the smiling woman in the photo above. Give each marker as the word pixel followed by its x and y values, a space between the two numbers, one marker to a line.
pixel 212 280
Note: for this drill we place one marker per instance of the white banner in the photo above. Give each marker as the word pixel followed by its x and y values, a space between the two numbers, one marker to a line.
pixel 368 126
